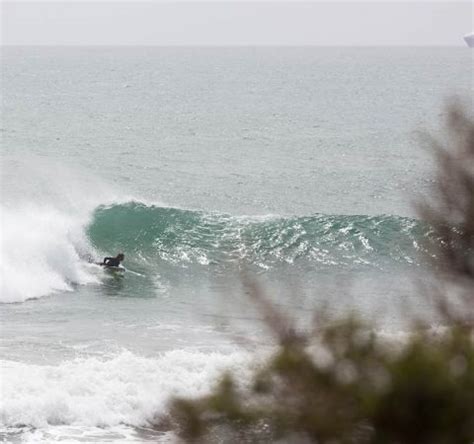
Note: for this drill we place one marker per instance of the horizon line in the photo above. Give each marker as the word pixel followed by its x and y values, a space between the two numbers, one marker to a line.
pixel 229 45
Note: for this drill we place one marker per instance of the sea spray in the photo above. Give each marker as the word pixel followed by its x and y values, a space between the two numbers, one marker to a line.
pixel 40 252
pixel 45 206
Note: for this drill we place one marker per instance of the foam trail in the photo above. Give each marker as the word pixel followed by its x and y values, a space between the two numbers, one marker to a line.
pixel 124 389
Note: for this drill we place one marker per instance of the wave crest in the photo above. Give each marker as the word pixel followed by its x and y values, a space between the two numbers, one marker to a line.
pixel 184 237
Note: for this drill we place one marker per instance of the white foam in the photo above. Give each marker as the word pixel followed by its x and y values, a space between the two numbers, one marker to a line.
pixel 39 253
pixel 43 214
pixel 77 434
pixel 125 389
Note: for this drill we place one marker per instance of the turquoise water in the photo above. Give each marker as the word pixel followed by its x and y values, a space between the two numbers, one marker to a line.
pixel 298 166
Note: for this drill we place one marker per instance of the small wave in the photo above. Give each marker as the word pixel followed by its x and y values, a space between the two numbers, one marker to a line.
pixel 124 389
pixel 183 237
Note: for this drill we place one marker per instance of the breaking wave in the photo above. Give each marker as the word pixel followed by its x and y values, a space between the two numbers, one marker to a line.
pixel 45 248
pixel 106 392
pixel 184 237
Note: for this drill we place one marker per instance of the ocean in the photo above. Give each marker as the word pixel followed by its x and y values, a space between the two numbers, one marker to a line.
pixel 296 167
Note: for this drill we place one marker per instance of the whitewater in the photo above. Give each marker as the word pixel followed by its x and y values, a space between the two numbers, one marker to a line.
pixel 297 166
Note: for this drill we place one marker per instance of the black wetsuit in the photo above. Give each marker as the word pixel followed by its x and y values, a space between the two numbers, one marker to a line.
pixel 111 262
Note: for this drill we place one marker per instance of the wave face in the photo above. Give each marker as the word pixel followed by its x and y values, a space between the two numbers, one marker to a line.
pixel 184 238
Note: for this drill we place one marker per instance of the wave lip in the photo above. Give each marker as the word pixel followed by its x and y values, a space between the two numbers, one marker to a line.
pixel 184 237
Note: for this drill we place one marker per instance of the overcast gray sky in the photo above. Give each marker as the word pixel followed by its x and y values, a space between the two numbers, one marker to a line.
pixel 235 23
